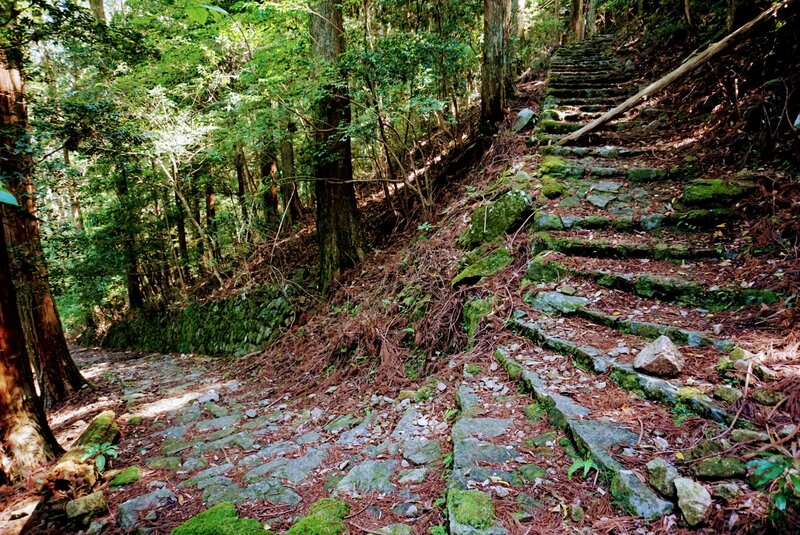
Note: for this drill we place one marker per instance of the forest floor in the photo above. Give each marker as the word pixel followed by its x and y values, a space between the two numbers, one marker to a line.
pixel 545 422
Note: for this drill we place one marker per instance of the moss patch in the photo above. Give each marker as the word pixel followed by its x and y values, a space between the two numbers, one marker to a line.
pixel 485 267
pixel 540 269
pixel 471 508
pixel 326 517
pixel 474 311
pixel 126 477
pixel 221 519
pixel 714 192
pixel 488 223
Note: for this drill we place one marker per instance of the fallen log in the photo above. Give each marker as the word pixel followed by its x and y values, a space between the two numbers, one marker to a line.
pixel 689 65
pixel 74 473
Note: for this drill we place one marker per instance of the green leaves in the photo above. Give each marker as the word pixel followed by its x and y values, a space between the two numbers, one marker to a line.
pixel 586 464
pixel 779 475
pixel 199 12
pixel 6 197
pixel 100 452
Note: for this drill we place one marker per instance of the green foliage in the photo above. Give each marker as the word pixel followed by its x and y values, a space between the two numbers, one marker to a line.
pixel 100 453
pixel 779 475
pixel 586 464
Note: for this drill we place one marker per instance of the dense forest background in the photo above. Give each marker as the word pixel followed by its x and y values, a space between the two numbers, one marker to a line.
pixel 175 146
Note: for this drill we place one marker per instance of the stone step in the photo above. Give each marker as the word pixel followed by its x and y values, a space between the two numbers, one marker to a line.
pixel 587 92
pixel 707 219
pixel 573 305
pixel 668 392
pixel 601 244
pixel 596 438
pixel 671 289
pixel 573 84
pixel 608 151
pixel 550 126
pixel 569 167
pixel 610 78
pixel 583 102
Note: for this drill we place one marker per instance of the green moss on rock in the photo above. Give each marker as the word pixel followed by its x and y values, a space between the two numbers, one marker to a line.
pixel 471 508
pixel 221 519
pixel 474 311
pixel 490 222
pixel 714 192
pixel 326 517
pixel 540 269
pixel 132 474
pixel 485 267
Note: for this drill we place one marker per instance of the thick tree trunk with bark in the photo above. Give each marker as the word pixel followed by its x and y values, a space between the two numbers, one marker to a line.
pixel 56 372
pixel 26 441
pixel 494 71
pixel 576 20
pixel 338 225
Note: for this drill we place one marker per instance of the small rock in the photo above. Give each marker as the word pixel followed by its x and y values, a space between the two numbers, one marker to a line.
pixel 24 511
pixel 662 476
pixel 694 500
pixel 660 358
pixel 97 527
pixel 661 443
pixel 87 506
pixel 210 396
pixel 720 468
pixel 576 513
pixel 566 289
pixel 728 394
pixel 408 510
pixel 746 435
pixel 523 118
pixel 500 491
pixel 728 491
pixel 251 413
pixel 441 387
pixel 767 397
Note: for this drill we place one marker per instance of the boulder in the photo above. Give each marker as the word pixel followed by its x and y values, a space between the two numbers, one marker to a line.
pixel 720 468
pixel 660 358
pixel 523 119
pixel 87 507
pixel 694 500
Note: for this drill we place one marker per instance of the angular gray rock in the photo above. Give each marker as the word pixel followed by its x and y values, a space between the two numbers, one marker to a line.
pixel 662 476
pixel 523 118
pixel 369 476
pixel 694 500
pixel 87 506
pixel 660 358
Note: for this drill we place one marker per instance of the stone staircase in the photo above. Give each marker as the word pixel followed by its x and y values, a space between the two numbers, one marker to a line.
pixel 629 257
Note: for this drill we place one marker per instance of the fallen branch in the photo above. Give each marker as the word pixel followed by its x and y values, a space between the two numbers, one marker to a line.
pixel 686 67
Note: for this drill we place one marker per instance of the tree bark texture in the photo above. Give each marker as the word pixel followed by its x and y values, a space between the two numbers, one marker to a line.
pixel 132 270
pixel 26 441
pixel 56 372
pixel 338 224
pixel 494 71
pixel 576 20
pixel 289 193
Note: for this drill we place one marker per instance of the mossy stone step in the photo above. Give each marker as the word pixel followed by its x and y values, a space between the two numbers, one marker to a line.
pixel 595 438
pixel 592 358
pixel 599 152
pixel 682 290
pixel 545 241
pixel 587 92
pixel 550 126
pixel 694 219
pixel 715 192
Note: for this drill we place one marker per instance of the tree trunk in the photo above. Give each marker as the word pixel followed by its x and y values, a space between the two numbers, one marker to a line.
pixel 289 193
pixel 57 374
pixel 74 200
pixel 591 18
pixel 26 441
pixel 338 225
pixel 494 71
pixel 211 222
pixel 739 12
pixel 269 187
pixel 241 188
pixel 98 9
pixel 576 20
pixel 132 275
